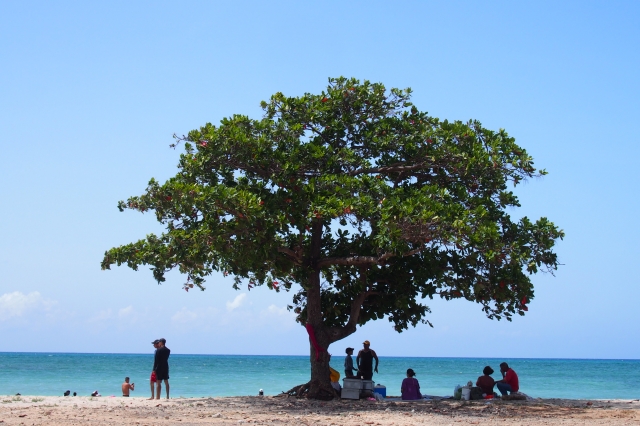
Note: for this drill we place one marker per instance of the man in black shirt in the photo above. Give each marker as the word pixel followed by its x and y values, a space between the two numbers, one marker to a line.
pixel 365 361
pixel 161 367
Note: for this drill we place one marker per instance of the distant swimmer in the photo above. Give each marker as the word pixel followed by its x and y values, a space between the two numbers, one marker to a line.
pixel 75 394
pixel 67 393
pixel 95 393
pixel 126 387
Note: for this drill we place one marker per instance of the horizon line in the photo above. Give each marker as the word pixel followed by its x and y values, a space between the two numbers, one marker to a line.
pixel 306 355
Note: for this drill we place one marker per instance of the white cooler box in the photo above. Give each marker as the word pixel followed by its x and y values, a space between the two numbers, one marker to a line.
pixel 350 393
pixel 368 385
pixel 351 384
pixel 351 388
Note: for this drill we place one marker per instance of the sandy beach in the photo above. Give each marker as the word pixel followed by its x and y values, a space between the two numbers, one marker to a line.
pixel 34 410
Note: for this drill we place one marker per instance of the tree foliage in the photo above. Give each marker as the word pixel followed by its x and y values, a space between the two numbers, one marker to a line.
pixel 355 200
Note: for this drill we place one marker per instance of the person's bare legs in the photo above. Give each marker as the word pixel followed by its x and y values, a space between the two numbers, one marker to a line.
pixel 166 384
pixel 152 389
pixel 158 389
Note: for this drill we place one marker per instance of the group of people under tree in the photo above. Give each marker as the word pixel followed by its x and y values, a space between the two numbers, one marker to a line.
pixel 364 361
pixel 509 383
pixel 410 388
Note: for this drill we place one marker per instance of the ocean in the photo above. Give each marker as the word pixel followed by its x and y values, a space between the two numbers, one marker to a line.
pixel 51 374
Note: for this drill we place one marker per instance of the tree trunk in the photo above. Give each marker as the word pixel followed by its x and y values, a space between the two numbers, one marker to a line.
pixel 320 384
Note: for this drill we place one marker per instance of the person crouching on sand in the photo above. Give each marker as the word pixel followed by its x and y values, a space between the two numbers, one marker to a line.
pixel 126 387
pixel 509 383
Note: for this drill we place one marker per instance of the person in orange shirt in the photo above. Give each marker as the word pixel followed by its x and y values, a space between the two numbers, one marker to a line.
pixel 509 383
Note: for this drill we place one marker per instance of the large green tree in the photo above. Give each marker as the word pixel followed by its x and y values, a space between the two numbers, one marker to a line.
pixel 356 201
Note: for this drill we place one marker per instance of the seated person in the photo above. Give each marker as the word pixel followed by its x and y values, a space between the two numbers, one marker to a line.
pixel 486 382
pixel 334 376
pixel 410 388
pixel 509 383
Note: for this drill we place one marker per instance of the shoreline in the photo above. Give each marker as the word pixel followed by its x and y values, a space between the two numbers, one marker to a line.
pixel 270 410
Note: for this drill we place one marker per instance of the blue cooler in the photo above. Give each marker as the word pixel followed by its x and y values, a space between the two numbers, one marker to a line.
pixel 380 389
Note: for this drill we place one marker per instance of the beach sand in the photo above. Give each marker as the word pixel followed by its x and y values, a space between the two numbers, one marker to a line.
pixel 33 410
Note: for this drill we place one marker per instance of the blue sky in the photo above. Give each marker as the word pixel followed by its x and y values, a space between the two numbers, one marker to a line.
pixel 91 93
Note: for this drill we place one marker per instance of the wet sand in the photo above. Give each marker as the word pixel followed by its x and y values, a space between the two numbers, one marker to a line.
pixel 34 410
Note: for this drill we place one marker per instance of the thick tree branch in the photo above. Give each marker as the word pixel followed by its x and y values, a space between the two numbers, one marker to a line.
pixel 363 260
pixel 291 253
pixel 387 169
pixel 337 333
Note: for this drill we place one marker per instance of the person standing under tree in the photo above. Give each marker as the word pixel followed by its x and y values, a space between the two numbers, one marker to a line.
pixel 365 361
pixel 161 367
pixel 348 364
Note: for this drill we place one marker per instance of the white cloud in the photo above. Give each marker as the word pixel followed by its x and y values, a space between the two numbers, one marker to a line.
pixel 237 302
pixel 184 316
pixel 103 315
pixel 276 315
pixel 206 316
pixel 274 310
pixel 17 304
pixel 125 312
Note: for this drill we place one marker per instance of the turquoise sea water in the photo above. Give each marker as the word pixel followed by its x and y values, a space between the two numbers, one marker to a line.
pixel 227 375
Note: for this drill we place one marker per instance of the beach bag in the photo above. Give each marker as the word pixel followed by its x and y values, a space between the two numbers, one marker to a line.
pixel 457 392
pixel 476 393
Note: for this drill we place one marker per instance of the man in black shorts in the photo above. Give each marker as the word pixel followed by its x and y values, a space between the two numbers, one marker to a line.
pixel 365 361
pixel 161 367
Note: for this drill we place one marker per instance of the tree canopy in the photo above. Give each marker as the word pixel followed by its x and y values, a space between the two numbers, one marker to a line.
pixel 355 200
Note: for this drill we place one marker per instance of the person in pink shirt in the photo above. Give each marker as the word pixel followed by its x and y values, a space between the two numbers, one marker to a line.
pixel 509 383
pixel 410 387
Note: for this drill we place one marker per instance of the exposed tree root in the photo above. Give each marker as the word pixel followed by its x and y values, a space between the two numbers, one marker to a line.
pixel 312 390
pixel 299 391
